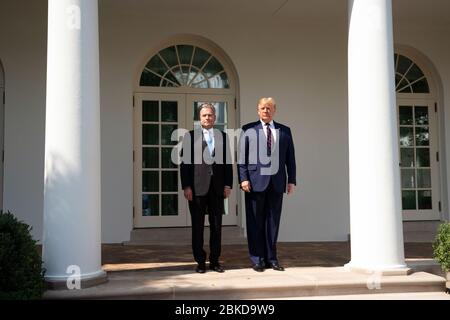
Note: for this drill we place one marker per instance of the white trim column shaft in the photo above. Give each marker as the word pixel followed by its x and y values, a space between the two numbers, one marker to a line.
pixel 375 199
pixel 72 211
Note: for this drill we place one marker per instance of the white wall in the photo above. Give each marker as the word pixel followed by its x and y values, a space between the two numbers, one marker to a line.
pixel 23 27
pixel 301 63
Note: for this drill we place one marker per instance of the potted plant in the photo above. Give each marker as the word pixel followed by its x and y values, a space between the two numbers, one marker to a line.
pixel 441 250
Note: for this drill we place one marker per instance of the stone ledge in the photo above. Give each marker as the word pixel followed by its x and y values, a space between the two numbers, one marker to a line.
pixel 247 284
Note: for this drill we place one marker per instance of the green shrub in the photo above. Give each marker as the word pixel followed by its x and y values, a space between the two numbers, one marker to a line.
pixel 441 246
pixel 21 272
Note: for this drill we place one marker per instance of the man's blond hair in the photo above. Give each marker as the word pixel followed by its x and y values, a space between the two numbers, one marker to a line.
pixel 267 101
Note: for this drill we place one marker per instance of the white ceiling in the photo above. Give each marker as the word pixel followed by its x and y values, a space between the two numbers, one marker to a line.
pixel 405 11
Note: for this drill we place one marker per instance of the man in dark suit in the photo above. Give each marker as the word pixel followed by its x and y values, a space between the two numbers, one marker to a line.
pixel 206 178
pixel 266 155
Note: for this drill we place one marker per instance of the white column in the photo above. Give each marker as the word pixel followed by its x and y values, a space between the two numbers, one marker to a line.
pixel 72 212
pixel 375 200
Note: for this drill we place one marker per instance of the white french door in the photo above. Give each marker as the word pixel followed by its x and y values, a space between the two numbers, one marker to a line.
pixel 418 142
pixel 157 188
pixel 158 197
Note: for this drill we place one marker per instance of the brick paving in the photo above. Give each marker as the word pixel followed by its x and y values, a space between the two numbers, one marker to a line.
pixel 117 257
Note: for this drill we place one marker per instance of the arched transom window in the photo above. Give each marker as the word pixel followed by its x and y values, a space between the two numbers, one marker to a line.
pixel 409 78
pixel 184 66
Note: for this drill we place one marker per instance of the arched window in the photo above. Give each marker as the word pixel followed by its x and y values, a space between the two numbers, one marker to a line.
pixel 409 78
pixel 184 66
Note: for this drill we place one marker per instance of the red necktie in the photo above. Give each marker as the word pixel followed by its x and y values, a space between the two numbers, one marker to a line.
pixel 269 140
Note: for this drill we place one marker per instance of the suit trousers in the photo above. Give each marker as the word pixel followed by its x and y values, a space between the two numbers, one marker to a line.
pixel 263 212
pixel 213 205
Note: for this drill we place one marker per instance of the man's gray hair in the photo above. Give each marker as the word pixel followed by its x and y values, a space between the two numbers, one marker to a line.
pixel 206 105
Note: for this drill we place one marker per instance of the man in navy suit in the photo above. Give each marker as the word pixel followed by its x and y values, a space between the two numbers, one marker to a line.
pixel 266 169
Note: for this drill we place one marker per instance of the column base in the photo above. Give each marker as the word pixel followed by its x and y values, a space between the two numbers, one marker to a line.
pixel 60 283
pixel 401 270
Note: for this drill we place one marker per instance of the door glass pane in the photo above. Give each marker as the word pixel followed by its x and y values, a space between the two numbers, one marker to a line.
pixel 199 78
pixel 407 157
pixel 406 115
pixel 400 84
pixel 212 67
pixel 149 79
pixel 406 137
pixel 150 134
pixel 408 200
pixel 150 111
pixel 169 181
pixel 178 74
pixel 424 178
pixel 408 178
pixel 421 86
pixel 403 65
pixel 424 197
pixel 185 53
pixel 150 181
pixel 201 85
pixel 166 133
pixel 422 136
pixel 414 73
pixel 150 205
pixel 169 204
pixel 150 158
pixel 421 115
pixel 408 88
pixel 173 81
pixel 186 74
pixel 221 112
pixel 200 57
pixel 219 127
pixel 423 157
pixel 169 112
pixel 170 56
pixel 194 71
pixel 156 65
pixel 166 158
pixel 219 81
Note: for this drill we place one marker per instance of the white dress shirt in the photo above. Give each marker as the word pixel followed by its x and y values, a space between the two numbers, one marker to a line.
pixel 272 128
pixel 209 134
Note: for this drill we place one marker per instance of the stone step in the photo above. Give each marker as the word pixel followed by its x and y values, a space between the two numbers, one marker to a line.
pixel 248 284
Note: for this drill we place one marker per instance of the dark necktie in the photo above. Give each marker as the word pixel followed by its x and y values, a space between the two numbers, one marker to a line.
pixel 269 140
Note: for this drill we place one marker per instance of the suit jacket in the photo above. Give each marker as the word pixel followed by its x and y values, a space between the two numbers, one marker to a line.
pixel 255 166
pixel 198 169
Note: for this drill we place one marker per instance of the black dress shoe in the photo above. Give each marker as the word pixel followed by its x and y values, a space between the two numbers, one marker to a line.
pixel 201 268
pixel 275 266
pixel 216 267
pixel 258 267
